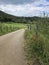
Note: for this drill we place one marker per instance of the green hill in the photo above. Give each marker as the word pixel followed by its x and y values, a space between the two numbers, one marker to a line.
pixel 4 17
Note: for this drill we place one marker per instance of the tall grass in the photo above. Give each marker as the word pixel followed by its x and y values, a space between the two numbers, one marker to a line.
pixel 37 47
pixel 9 27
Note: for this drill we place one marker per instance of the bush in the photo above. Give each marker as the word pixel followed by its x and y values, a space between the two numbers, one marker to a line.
pixel 36 48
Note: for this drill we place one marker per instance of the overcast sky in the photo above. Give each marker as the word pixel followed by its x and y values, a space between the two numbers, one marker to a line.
pixel 25 7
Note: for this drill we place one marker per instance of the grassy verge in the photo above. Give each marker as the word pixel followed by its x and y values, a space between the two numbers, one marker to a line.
pixel 36 48
pixel 9 27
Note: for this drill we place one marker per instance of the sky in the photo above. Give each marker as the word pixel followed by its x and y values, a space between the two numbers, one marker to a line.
pixel 25 7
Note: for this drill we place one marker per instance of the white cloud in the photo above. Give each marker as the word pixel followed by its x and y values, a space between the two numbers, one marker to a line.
pixel 43 2
pixel 26 9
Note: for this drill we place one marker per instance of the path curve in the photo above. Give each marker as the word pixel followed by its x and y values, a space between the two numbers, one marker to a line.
pixel 11 48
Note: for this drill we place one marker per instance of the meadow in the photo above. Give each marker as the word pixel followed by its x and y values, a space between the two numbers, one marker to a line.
pixel 9 27
pixel 37 43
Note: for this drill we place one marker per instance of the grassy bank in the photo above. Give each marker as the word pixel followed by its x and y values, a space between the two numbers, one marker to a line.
pixel 9 27
pixel 36 48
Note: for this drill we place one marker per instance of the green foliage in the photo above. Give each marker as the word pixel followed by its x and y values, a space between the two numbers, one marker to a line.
pixel 38 47
pixel 9 27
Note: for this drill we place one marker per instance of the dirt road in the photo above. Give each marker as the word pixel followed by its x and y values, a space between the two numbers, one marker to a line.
pixel 11 48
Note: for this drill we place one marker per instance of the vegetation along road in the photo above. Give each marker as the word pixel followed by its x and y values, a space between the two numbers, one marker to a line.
pixel 11 48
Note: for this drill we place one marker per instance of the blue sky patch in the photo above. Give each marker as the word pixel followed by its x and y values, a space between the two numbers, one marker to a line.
pixel 47 0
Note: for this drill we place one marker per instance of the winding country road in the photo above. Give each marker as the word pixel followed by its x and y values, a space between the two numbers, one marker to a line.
pixel 11 48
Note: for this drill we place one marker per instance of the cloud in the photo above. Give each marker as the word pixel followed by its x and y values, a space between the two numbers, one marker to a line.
pixel 30 8
pixel 23 10
pixel 16 1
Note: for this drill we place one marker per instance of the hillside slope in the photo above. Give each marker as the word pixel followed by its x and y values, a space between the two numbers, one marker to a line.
pixel 4 17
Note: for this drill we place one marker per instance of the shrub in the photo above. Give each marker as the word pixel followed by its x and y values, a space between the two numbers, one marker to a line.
pixel 36 48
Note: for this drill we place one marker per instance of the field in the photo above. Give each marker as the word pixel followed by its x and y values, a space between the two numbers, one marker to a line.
pixel 9 27
pixel 37 43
